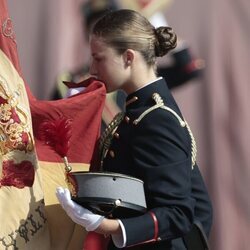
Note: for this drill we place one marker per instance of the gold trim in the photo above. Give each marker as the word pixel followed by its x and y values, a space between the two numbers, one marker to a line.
pixel 193 146
pixel 108 135
pixel 117 136
pixel 112 153
pixel 160 104
pixel 127 119
pixel 133 99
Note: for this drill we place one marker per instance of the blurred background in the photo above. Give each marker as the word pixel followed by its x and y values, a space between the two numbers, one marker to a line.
pixel 213 88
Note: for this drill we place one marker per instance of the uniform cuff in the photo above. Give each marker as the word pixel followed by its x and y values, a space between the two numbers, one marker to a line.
pixel 120 239
pixel 134 227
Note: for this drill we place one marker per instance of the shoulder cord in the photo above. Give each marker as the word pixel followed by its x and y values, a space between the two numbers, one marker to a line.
pixel 107 135
pixel 183 123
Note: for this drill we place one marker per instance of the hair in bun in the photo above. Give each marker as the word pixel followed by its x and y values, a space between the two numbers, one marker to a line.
pixel 127 29
pixel 166 40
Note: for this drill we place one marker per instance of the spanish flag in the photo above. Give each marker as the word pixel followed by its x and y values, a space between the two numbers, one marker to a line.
pixel 30 170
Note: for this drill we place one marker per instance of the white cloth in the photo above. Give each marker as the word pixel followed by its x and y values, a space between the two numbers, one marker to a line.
pixel 77 213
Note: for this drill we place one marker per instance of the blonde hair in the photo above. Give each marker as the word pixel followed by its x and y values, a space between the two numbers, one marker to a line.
pixel 127 29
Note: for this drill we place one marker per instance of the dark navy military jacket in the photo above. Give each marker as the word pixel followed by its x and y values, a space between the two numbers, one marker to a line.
pixel 157 150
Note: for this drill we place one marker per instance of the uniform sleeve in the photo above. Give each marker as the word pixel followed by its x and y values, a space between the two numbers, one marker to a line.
pixel 162 159
pixel 203 209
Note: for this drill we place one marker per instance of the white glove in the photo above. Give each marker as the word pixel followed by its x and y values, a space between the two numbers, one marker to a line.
pixel 77 213
pixel 74 91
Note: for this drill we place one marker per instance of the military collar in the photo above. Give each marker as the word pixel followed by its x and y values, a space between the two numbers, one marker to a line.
pixel 143 96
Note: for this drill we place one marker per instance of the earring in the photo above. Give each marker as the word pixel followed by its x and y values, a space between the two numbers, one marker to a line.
pixel 128 62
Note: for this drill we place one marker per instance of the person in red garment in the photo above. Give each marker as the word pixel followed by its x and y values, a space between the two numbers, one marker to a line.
pixel 151 141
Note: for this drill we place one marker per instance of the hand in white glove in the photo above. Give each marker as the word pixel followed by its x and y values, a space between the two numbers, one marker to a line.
pixel 77 213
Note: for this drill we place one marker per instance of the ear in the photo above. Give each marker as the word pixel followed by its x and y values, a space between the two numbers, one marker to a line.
pixel 128 57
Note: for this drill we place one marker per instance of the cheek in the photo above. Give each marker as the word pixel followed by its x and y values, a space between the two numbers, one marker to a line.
pixel 112 74
pixel 112 81
pixel 109 70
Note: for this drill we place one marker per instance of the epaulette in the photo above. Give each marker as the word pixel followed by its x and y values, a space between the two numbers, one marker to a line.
pixel 183 123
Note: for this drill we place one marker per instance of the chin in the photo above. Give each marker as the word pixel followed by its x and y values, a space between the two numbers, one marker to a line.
pixel 110 89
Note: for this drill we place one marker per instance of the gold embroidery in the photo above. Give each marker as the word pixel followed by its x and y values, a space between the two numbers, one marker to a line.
pixel 14 123
pixel 108 134
pixel 8 29
pixel 5 112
